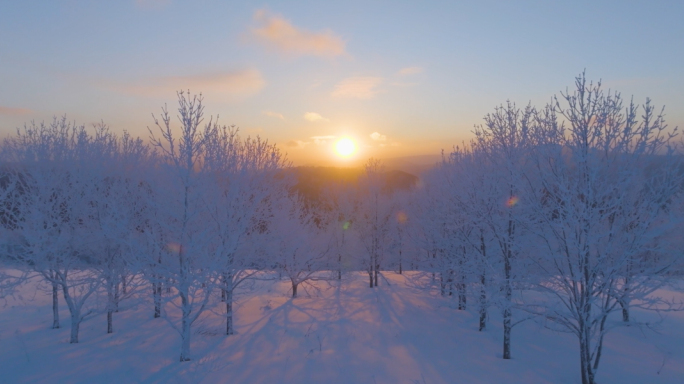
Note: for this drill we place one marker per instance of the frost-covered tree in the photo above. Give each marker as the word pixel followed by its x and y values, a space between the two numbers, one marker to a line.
pixel 11 190
pixel 245 179
pixel 302 238
pixel 400 242
pixel 116 210
pixel 341 203
pixel 177 212
pixel 435 217
pixel 373 217
pixel 463 179
pixel 62 168
pixel 502 144
pixel 602 186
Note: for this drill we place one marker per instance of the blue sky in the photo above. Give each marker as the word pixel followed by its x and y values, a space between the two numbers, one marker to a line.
pixel 401 78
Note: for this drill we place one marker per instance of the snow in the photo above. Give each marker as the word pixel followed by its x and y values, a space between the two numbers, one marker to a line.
pixel 343 332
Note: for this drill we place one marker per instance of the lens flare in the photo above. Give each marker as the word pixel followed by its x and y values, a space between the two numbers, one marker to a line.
pixel 513 200
pixel 173 247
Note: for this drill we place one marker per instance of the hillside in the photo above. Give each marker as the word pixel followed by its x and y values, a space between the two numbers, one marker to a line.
pixel 312 181
pixel 401 333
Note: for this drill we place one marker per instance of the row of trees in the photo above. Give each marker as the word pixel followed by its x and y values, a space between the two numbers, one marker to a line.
pixel 191 216
pixel 564 214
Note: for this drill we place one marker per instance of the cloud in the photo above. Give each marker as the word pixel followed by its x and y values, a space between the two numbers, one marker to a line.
pixel 314 117
pixel 231 84
pixel 296 144
pixel 275 32
pixel 410 71
pixel 359 87
pixel 9 111
pixel 274 114
pixel 318 140
pixel 378 137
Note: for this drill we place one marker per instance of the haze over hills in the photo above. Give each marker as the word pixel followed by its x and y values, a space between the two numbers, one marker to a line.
pixel 313 181
pixel 412 164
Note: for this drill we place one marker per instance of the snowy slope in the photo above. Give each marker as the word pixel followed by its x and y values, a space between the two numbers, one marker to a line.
pixel 346 333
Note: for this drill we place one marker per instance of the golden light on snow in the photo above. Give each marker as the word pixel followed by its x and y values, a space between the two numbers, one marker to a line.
pixel 512 201
pixel 345 147
pixel 401 217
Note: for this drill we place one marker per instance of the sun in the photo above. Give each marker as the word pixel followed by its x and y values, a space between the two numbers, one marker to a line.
pixel 345 147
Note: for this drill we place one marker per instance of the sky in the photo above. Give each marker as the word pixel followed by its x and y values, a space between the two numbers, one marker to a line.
pixel 399 78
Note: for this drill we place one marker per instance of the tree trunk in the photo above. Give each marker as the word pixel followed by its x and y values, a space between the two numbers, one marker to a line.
pixel 111 299
pixel 377 267
pixel 224 279
pixel 462 296
pixel 55 306
pixel 599 348
pixel 450 281
pixel 461 288
pixel 507 316
pixel 508 292
pixel 483 303
pixel 75 312
pixel 625 311
pixel 229 313
pixel 185 328
pixel 442 284
pixel 585 355
pixel 115 302
pixel 75 323
pixel 294 289
pixel 625 303
pixel 156 293
pixel 483 286
pixel 507 334
pixel 110 328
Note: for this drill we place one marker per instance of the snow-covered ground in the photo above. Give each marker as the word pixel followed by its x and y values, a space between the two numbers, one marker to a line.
pixel 346 333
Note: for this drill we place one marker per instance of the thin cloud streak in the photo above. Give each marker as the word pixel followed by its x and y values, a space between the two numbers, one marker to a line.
pixel 279 34
pixel 314 117
pixel 232 84
pixel 274 114
pixel 318 140
pixel 297 144
pixel 377 136
pixel 9 111
pixel 410 71
pixel 359 87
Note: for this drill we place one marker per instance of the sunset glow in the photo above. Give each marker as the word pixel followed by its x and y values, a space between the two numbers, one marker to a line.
pixel 341 191
pixel 345 147
pixel 295 74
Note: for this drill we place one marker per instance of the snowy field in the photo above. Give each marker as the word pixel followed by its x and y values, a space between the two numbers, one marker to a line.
pixel 342 333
